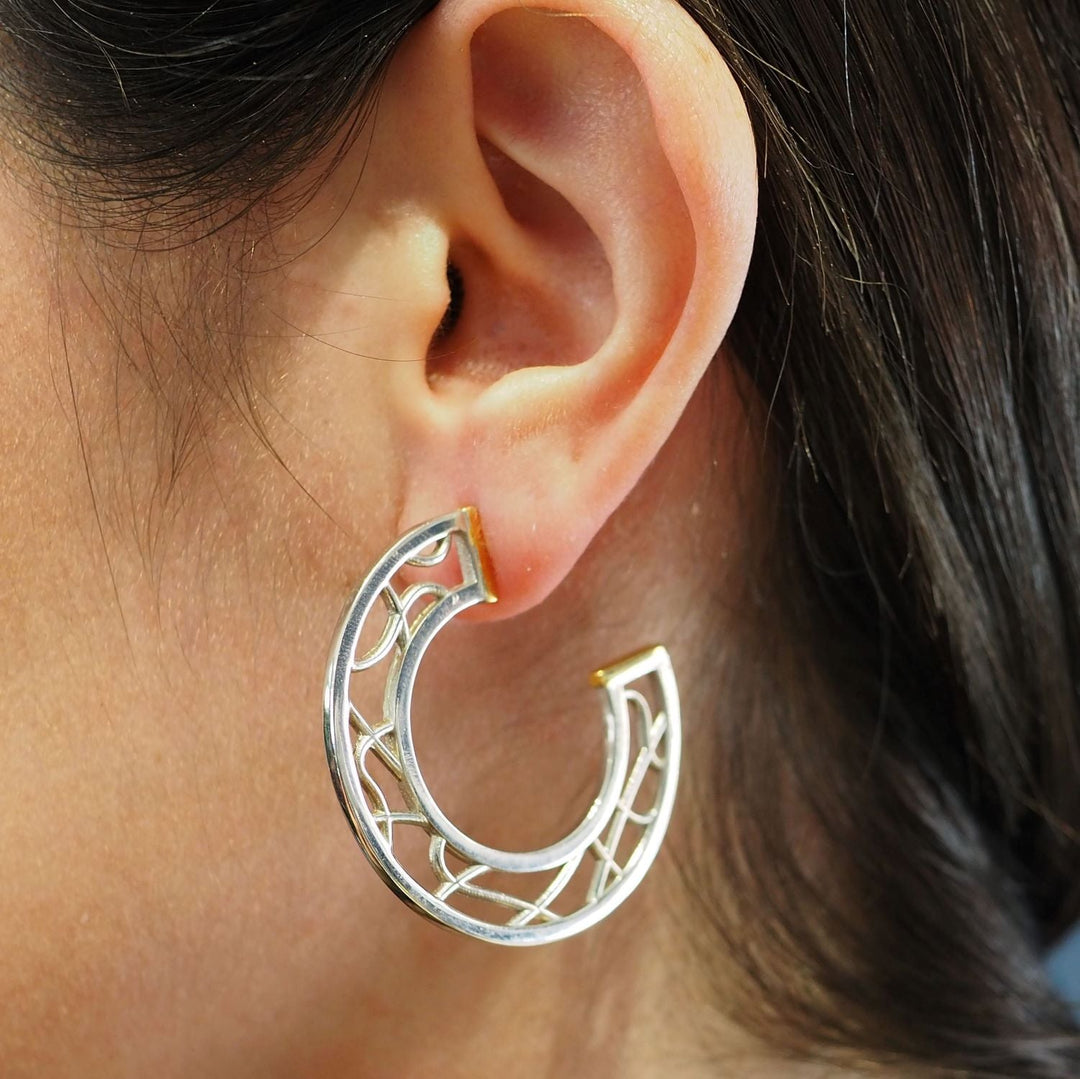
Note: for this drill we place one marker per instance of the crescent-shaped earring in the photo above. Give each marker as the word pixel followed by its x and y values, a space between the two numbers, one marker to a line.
pixel 506 897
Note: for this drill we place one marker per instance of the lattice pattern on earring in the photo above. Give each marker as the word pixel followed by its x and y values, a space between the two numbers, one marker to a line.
pixel 507 897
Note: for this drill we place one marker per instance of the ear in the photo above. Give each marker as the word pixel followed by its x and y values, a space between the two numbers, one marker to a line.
pixel 593 172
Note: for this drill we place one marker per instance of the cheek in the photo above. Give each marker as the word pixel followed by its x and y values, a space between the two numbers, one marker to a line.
pixel 168 820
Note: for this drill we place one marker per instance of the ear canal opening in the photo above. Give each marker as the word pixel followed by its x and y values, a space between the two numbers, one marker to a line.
pixel 455 285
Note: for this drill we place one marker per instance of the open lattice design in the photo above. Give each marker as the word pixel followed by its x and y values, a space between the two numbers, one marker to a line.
pixel 508 897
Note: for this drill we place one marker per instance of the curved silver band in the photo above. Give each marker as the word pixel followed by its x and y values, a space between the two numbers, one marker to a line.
pixel 355 746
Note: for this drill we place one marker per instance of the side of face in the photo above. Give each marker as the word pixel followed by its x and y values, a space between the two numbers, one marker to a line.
pixel 209 445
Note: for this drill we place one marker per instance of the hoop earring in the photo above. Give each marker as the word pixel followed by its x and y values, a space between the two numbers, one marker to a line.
pixel 471 887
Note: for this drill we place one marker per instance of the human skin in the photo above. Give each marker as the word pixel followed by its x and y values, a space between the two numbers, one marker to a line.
pixel 180 894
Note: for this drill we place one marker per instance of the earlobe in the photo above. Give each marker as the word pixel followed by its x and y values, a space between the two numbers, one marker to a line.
pixel 597 189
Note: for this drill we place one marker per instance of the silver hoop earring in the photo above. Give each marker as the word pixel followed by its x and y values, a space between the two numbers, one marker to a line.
pixel 466 885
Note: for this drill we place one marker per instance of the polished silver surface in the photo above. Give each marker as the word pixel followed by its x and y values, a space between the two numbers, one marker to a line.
pixel 506 897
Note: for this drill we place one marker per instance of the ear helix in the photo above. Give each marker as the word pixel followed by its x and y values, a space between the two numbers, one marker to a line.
pixel 506 897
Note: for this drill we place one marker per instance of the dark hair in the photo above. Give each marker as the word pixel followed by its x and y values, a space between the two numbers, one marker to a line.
pixel 912 318
pixel 907 672
pixel 186 107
